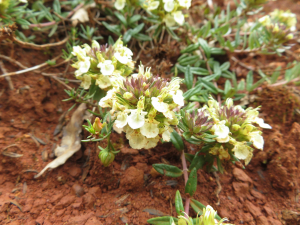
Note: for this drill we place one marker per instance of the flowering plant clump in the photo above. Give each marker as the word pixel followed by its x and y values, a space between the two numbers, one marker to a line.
pixel 279 24
pixel 207 218
pixel 143 108
pixel 235 130
pixel 169 11
pixel 102 65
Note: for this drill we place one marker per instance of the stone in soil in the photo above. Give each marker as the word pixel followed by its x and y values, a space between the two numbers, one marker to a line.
pixel 133 179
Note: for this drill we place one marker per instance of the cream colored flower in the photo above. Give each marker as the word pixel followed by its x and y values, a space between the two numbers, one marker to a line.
pixel 103 81
pixel 86 81
pixel 153 5
pixel 136 139
pixel 121 120
pixel 120 4
pixel 257 139
pixel 178 17
pixel 166 135
pixel 241 150
pixel 136 119
pixel 261 123
pixel 159 105
pixel 151 142
pixel 222 131
pixel 123 55
pixel 83 66
pixel 150 128
pixel 106 68
pixel 169 20
pixel 178 98
pixel 185 3
pixel 169 5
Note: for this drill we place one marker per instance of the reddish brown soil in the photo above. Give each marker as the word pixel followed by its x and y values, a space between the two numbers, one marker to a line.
pixel 84 192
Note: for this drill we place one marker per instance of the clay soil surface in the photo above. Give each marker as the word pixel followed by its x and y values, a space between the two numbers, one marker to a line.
pixel 82 191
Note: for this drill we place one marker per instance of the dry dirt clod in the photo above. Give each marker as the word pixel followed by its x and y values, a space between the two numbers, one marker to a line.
pixel 45 155
pixel 78 190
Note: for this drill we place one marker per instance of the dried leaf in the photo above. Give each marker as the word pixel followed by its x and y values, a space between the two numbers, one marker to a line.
pixel 71 141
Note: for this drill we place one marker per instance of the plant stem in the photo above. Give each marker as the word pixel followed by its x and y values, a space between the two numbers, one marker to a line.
pixel 185 175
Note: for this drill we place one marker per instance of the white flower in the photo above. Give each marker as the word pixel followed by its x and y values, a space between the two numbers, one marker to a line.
pixel 136 139
pixel 153 5
pixel 119 4
pixel 241 151
pixel 136 119
pixel 229 102
pixel 123 55
pixel 166 135
pixel 178 98
pixel 257 139
pixel 107 100
pixel 83 66
pixel 261 123
pixel 150 129
pixel 79 52
pixel 151 142
pixel 222 131
pixel 103 81
pixel 185 3
pixel 169 20
pixel 158 105
pixel 121 120
pixel 86 81
pixel 178 17
pixel 106 68
pixel 169 5
pixel 95 44
pixel 265 20
pixel 23 1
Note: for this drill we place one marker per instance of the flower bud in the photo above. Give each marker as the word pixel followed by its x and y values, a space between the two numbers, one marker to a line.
pixel 290 36
pixel 97 125
pixel 276 28
pixel 127 95
pixel 229 102
pixel 106 157
pixel 235 127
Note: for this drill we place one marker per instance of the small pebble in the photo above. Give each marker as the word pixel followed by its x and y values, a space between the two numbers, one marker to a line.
pixel 78 190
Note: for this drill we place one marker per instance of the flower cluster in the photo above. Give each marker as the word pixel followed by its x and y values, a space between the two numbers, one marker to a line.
pixel 235 129
pixel 143 108
pixel 207 218
pixel 170 11
pixel 279 24
pixel 102 65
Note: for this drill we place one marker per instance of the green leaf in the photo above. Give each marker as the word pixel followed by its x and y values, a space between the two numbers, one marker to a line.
pixel 127 36
pixel 188 77
pixel 257 84
pixel 134 18
pixel 138 28
pixel 191 184
pixel 241 85
pixel 54 28
pixel 22 22
pixel 177 140
pixel 113 28
pixel 56 7
pixel 189 157
pixel 192 91
pixel 249 80
pixel 46 11
pixel 190 48
pixel 168 170
pixel 164 220
pixel 190 60
pixel 121 18
pixel 179 204
pixel 197 206
pixel 142 37
pixel 198 162
pixel 209 86
pixel 227 86
pixel 220 166
pixel 111 41
pixel 173 35
pixel 205 47
pixel 275 75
